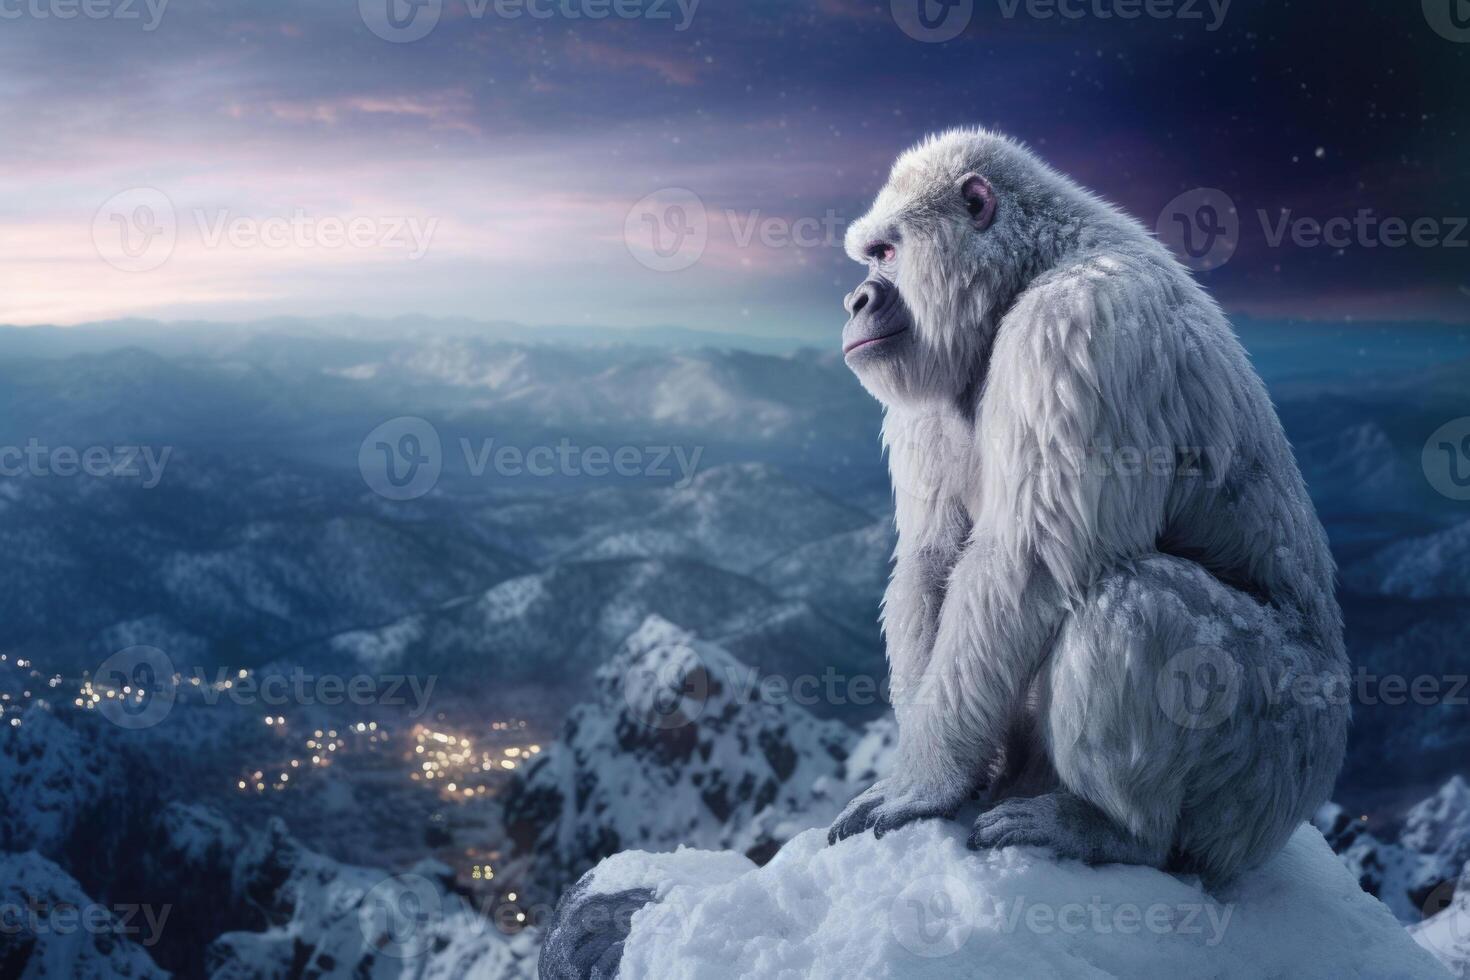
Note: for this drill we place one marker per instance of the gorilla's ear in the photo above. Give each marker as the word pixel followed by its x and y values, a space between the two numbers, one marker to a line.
pixel 979 200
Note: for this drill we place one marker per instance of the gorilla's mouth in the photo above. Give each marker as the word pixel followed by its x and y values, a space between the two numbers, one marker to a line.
pixel 858 344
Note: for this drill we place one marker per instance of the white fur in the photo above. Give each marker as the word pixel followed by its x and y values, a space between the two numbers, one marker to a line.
pixel 1036 593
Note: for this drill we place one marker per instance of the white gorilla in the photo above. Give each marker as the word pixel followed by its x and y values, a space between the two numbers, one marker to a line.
pixel 1112 603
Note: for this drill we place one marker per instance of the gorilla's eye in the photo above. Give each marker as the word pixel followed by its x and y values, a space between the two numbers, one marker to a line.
pixel 979 200
pixel 881 251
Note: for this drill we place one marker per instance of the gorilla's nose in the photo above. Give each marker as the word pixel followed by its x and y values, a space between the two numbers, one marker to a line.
pixel 869 296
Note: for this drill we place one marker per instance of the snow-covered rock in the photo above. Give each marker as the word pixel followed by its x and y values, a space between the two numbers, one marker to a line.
pixel 681 745
pixel 53 777
pixel 1440 825
pixel 340 922
pixel 51 929
pixel 1446 933
pixel 919 904
pixel 1432 847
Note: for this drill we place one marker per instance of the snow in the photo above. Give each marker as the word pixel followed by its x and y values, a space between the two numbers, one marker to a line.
pixel 919 904
pixel 51 777
pixel 1430 850
pixel 679 747
pixel 1441 824
pixel 383 649
pixel 1447 934
pixel 347 922
pixel 54 930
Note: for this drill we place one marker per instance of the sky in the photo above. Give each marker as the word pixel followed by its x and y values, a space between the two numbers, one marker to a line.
pixel 693 163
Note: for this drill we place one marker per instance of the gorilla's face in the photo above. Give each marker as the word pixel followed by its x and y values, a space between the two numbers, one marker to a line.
pixel 949 242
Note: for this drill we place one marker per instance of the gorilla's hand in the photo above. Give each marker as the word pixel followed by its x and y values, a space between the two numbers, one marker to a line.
pixel 892 803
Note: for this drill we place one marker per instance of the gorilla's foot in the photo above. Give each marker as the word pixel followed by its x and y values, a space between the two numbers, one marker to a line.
pixel 853 819
pixel 889 805
pixel 1065 823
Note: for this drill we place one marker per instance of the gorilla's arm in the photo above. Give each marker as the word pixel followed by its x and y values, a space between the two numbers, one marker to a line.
pixel 932 536
pixel 1047 519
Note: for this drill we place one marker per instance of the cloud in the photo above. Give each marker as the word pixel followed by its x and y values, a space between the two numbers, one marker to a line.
pixel 449 109
pixel 675 71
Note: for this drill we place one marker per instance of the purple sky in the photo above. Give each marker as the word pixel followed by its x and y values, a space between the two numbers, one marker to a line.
pixel 265 158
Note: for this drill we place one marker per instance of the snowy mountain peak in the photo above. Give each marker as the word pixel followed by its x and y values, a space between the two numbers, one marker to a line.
pixel 678 746
pixel 45 934
pixel 1441 824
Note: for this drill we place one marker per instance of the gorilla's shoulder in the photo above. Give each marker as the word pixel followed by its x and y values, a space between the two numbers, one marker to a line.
pixel 1112 289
